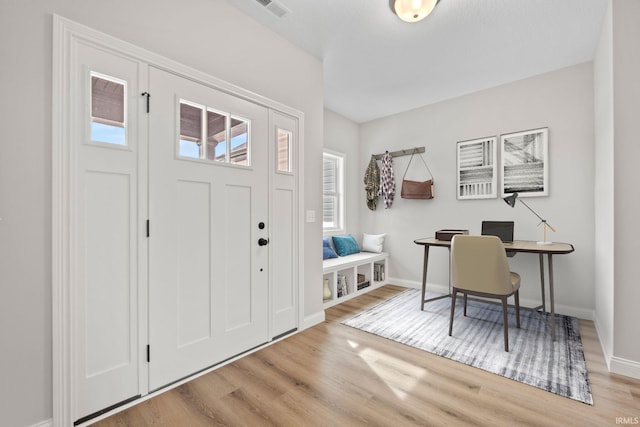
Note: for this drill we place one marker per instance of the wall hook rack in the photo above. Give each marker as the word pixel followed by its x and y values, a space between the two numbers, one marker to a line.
pixel 405 152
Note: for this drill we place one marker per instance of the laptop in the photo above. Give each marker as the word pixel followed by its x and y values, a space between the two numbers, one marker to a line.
pixel 502 229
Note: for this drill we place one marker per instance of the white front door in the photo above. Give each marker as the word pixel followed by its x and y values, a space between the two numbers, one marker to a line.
pixel 175 231
pixel 209 231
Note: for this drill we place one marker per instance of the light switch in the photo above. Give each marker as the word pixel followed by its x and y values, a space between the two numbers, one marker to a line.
pixel 311 216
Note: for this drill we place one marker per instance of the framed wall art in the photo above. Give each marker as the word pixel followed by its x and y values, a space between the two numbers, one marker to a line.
pixel 477 169
pixel 524 161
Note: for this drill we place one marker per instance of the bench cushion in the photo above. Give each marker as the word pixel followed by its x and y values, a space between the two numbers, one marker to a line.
pixel 346 245
pixel 372 242
pixel 327 250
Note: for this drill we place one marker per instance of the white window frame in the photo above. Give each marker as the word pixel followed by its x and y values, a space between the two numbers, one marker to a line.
pixel 339 194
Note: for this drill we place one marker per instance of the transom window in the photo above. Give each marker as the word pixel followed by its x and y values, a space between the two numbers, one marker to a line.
pixel 226 137
pixel 332 191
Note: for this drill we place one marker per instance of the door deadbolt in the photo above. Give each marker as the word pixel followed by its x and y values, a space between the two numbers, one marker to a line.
pixel 261 225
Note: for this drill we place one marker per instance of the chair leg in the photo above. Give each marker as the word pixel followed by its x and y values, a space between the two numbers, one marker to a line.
pixel 453 309
pixel 506 325
pixel 517 296
pixel 465 305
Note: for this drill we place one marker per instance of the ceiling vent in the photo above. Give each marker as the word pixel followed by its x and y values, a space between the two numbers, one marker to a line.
pixel 277 9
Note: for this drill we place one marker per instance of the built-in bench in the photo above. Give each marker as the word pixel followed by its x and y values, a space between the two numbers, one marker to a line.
pixel 352 275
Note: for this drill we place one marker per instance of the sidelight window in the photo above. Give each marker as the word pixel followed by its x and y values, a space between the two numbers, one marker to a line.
pixel 284 150
pixel 108 109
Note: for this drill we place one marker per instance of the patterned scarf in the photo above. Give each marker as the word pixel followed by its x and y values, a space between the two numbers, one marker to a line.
pixel 372 184
pixel 387 181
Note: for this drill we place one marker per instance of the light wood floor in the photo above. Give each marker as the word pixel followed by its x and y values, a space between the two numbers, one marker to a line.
pixel 334 375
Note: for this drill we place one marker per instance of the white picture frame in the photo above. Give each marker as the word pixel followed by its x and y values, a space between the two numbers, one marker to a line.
pixel 524 163
pixel 477 168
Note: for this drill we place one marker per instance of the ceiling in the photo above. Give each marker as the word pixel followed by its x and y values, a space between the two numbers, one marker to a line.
pixel 376 65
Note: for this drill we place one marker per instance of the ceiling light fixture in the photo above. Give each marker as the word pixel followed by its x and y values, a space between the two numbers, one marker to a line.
pixel 413 10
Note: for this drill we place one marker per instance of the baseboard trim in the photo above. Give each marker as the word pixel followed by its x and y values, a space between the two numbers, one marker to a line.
pixel 605 352
pixel 628 368
pixel 580 313
pixel 45 423
pixel 313 320
pixel 433 287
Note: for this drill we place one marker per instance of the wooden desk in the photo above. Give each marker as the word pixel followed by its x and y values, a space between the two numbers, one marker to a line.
pixel 515 247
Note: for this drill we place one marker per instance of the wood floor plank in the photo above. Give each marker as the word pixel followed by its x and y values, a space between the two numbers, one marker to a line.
pixel 334 375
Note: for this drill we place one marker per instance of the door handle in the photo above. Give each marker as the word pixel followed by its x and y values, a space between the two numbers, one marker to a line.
pixel 263 242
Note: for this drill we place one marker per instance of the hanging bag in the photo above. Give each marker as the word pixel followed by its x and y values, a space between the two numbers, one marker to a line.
pixel 417 189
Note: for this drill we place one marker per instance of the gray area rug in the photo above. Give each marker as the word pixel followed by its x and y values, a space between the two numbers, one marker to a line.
pixel 533 357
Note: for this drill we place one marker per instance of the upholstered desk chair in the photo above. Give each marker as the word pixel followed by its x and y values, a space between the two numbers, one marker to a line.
pixel 479 267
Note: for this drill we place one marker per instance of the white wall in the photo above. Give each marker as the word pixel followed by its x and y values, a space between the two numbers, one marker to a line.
pixel 560 100
pixel 341 135
pixel 604 186
pixel 617 102
pixel 626 152
pixel 208 35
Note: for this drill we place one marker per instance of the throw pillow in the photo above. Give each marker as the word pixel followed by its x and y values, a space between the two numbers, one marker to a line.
pixel 372 242
pixel 327 250
pixel 346 245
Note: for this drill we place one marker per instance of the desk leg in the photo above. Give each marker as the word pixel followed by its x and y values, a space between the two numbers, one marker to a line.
pixel 544 308
pixel 450 290
pixel 553 313
pixel 425 263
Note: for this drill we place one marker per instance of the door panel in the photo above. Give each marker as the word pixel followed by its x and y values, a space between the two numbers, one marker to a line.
pixel 283 208
pixel 106 241
pixel 236 284
pixel 108 271
pixel 192 261
pixel 208 277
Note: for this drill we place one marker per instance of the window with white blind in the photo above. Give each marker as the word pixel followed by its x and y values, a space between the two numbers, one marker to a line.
pixel 332 192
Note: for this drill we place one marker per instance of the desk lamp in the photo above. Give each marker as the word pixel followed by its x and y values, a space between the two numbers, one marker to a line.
pixel 511 201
